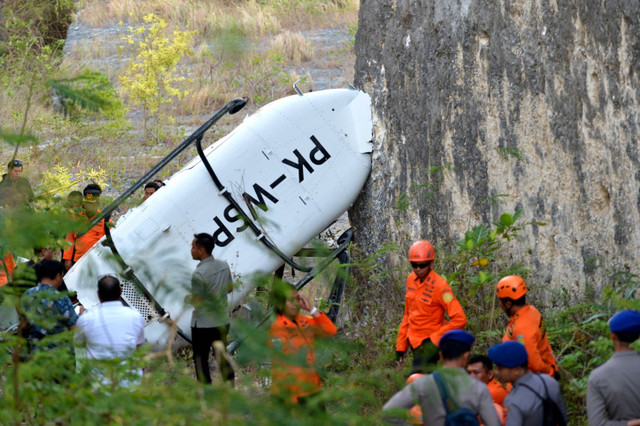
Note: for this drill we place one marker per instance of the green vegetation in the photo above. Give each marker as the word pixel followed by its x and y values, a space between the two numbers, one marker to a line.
pixel 90 140
pixel 358 366
pixel 151 79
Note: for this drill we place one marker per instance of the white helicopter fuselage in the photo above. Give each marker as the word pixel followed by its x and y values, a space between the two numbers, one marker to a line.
pixel 298 162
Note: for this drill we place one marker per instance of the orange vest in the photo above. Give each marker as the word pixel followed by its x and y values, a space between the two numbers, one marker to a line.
pixel 8 265
pixel 292 372
pixel 425 304
pixel 498 391
pixel 527 327
pixel 83 243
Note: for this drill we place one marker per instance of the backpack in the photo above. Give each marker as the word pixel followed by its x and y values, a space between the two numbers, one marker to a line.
pixel 456 416
pixel 551 414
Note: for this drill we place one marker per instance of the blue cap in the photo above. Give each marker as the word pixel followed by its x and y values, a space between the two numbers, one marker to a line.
pixel 508 354
pixel 625 322
pixel 458 336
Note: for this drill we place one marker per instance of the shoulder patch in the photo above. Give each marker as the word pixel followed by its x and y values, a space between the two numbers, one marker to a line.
pixel 447 297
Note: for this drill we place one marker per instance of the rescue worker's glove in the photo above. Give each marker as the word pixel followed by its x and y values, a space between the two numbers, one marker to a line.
pixel 399 355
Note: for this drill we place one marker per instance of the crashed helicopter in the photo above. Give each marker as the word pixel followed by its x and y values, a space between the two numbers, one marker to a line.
pixel 279 179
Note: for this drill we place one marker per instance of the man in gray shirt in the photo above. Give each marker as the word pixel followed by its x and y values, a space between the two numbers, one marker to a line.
pixel 210 283
pixel 524 404
pixel 465 391
pixel 613 391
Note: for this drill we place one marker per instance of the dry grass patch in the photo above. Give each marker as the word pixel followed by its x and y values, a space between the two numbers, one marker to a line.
pixel 257 18
pixel 293 47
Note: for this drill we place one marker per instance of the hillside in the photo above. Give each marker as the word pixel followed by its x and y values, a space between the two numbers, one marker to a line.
pixel 238 49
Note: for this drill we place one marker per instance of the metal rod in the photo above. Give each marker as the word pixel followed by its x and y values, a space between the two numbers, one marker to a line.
pixel 344 241
pixel 258 233
pixel 231 107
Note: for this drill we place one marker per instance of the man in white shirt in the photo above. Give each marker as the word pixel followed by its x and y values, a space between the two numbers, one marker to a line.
pixel 111 330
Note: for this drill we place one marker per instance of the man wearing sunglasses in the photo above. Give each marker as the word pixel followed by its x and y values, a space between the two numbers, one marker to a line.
pixel 427 299
pixel 15 191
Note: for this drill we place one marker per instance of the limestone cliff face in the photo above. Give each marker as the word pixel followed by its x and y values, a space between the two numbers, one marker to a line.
pixel 482 107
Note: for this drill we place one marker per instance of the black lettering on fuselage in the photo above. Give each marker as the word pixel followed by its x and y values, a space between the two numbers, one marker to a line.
pixel 318 155
pixel 261 193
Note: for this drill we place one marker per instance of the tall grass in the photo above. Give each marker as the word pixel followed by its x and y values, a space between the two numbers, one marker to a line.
pixel 258 18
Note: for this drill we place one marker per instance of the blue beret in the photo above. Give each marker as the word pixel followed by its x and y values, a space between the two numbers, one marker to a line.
pixel 508 354
pixel 625 322
pixel 458 336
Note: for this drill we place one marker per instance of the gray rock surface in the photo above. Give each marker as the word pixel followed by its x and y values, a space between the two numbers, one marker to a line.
pixel 539 100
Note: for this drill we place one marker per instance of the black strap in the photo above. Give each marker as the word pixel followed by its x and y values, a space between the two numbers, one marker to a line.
pixel 546 392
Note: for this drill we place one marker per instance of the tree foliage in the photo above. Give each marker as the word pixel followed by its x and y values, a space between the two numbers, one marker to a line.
pixel 152 79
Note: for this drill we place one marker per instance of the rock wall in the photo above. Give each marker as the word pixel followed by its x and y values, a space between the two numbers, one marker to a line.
pixel 486 107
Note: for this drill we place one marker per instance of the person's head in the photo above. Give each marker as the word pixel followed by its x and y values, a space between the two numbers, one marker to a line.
pixel 159 183
pixel 455 346
pixel 481 368
pixel 149 189
pixel 624 327
pixel 284 299
pixel 202 246
pixel 510 359
pixel 109 289
pixel 49 272
pixel 43 253
pixel 74 199
pixel 421 256
pixel 15 169
pixel 91 200
pixel 511 291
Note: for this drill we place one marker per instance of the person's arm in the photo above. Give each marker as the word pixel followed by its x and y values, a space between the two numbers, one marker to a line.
pixel 399 404
pixel 530 335
pixel 78 336
pixel 322 325
pixel 67 255
pixel 140 326
pixel 402 343
pixel 453 308
pixel 597 408
pixel 196 297
pixel 66 308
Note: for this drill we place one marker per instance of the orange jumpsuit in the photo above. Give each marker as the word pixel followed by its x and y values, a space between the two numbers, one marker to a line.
pixel 527 327
pixel 8 265
pixel 425 304
pixel 294 378
pixel 498 391
pixel 80 245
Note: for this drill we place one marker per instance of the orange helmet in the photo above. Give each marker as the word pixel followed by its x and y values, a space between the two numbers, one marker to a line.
pixel 511 286
pixel 421 251
pixel 413 377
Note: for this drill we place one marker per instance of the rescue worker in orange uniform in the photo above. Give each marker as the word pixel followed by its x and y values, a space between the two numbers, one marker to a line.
pixel 81 244
pixel 294 378
pixel 7 265
pixel 481 367
pixel 428 298
pixel 526 325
